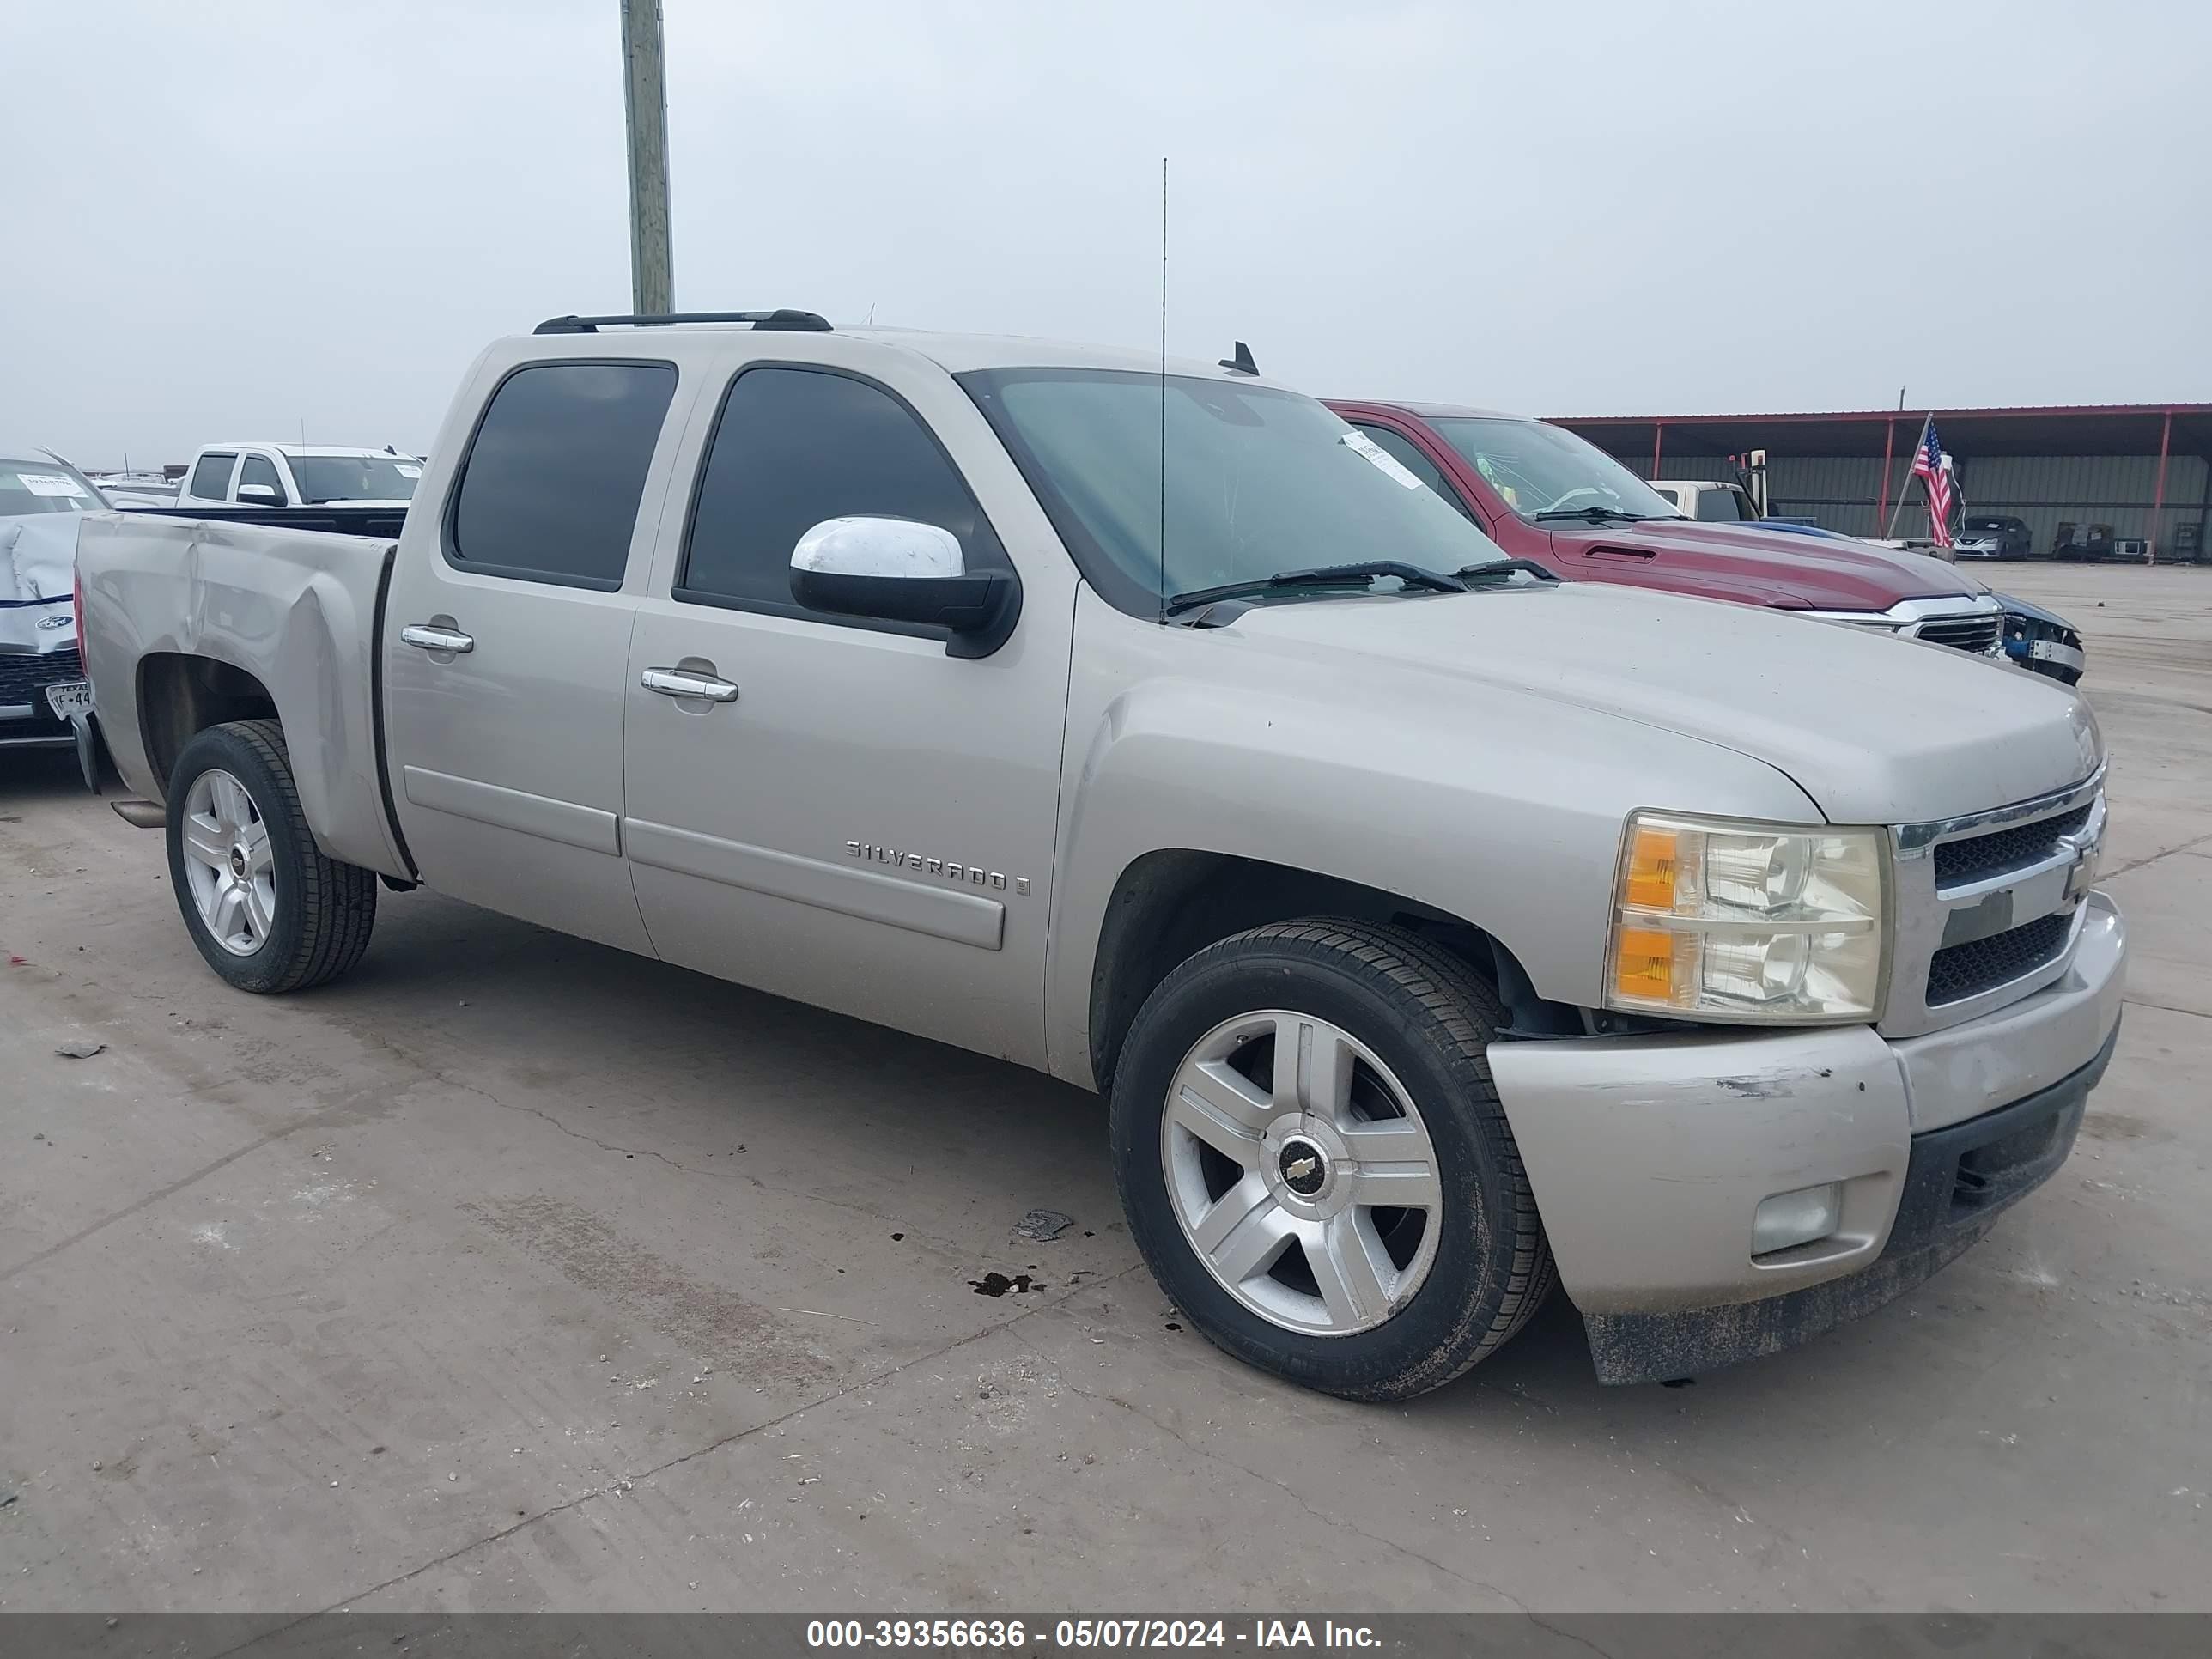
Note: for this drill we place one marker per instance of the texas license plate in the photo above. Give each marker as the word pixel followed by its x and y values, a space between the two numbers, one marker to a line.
pixel 70 700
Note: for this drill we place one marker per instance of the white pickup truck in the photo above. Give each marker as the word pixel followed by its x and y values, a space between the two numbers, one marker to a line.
pixel 1435 927
pixel 276 474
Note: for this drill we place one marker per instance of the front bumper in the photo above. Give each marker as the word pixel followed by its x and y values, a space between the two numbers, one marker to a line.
pixel 1648 1156
pixel 30 718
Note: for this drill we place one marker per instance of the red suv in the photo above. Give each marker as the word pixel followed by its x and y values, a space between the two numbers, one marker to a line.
pixel 1542 493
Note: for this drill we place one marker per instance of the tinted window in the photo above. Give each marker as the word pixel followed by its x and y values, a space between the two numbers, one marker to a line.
pixel 1723 506
pixel 793 447
pixel 551 487
pixel 258 470
pixel 1402 450
pixel 212 478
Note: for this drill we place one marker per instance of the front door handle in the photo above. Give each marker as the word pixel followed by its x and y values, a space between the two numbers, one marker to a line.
pixel 681 682
pixel 431 637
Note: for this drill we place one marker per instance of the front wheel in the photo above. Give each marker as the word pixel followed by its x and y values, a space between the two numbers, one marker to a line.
pixel 269 912
pixel 1315 1163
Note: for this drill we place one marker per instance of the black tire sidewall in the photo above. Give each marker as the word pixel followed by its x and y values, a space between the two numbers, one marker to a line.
pixel 218 749
pixel 1458 1302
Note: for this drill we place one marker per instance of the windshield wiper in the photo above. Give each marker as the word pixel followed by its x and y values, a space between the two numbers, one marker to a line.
pixel 1468 573
pixel 1598 515
pixel 1333 576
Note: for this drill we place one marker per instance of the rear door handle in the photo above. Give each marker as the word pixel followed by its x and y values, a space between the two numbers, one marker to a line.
pixel 681 682
pixel 429 637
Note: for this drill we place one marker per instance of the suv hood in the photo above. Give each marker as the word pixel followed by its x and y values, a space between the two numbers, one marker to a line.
pixel 1844 713
pixel 1743 562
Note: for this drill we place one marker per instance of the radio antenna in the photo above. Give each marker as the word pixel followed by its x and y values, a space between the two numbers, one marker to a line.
pixel 1163 391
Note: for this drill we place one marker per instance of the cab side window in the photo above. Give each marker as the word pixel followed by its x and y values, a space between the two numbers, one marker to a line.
pixel 211 477
pixel 549 488
pixel 260 470
pixel 793 447
pixel 1402 450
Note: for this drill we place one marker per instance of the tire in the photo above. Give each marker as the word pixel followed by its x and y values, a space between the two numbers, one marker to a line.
pixel 310 919
pixel 1418 1021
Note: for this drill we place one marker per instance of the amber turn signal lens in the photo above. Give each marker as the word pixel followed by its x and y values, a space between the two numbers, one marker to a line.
pixel 1652 863
pixel 1645 966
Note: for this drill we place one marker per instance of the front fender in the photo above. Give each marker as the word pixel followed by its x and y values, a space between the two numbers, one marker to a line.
pixel 1500 807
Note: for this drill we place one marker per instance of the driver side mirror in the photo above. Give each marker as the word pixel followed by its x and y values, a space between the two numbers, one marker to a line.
pixel 261 495
pixel 899 570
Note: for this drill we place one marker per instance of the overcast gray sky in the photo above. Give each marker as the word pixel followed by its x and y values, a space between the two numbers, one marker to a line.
pixel 227 217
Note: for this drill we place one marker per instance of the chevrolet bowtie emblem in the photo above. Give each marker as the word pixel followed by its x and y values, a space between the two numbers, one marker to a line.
pixel 1299 1168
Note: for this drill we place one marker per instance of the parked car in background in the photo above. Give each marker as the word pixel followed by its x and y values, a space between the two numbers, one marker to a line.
pixel 290 475
pixel 1435 926
pixel 1992 536
pixel 2043 640
pixel 1543 493
pixel 1706 500
pixel 43 499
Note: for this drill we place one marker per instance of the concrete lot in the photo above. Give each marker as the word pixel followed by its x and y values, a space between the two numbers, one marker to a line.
pixel 512 1273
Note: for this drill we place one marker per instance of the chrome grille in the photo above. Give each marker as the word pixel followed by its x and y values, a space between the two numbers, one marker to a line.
pixel 1987 907
pixel 1978 633
pixel 23 676
pixel 1960 971
pixel 1979 857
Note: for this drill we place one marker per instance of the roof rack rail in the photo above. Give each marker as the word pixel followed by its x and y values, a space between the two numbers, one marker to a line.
pixel 806 322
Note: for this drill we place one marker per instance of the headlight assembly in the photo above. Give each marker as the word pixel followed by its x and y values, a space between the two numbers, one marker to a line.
pixel 1748 922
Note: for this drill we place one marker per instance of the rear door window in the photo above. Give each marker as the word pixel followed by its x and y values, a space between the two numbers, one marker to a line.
pixel 549 488
pixel 211 477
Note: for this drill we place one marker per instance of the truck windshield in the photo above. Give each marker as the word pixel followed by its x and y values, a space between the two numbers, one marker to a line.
pixel 1539 468
pixel 356 477
pixel 43 484
pixel 1258 481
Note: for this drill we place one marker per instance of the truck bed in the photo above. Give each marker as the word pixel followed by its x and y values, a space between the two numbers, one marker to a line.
pixel 298 613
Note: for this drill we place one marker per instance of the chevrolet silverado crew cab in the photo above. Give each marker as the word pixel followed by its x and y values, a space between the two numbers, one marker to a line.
pixel 1435 927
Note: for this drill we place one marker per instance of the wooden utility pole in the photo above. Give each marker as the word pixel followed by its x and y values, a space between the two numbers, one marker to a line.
pixel 645 104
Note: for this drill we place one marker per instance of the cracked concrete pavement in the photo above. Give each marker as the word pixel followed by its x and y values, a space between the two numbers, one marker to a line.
pixel 516 1273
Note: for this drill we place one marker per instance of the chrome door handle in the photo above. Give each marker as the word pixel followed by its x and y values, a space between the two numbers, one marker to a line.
pixel 681 682
pixel 431 638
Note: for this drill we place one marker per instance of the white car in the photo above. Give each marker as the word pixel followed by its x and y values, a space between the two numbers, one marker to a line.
pixel 42 500
pixel 254 474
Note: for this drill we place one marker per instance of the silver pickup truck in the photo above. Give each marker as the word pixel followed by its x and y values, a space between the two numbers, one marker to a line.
pixel 1437 929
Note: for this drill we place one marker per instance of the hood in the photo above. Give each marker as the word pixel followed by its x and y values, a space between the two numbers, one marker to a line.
pixel 38 581
pixel 1844 713
pixel 1753 566
pixel 2022 607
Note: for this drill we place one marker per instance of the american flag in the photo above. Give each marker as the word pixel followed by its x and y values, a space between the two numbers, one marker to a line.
pixel 1932 466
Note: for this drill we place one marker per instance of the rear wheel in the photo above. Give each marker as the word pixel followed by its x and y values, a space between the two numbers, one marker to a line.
pixel 269 912
pixel 1315 1162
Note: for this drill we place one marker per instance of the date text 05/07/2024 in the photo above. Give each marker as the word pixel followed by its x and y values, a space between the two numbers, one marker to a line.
pixel 1004 1634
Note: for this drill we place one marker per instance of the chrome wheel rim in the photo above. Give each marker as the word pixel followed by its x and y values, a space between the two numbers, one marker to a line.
pixel 227 863
pixel 1310 1190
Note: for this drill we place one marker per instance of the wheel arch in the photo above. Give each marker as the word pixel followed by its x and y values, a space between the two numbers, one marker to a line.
pixel 1172 903
pixel 180 694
